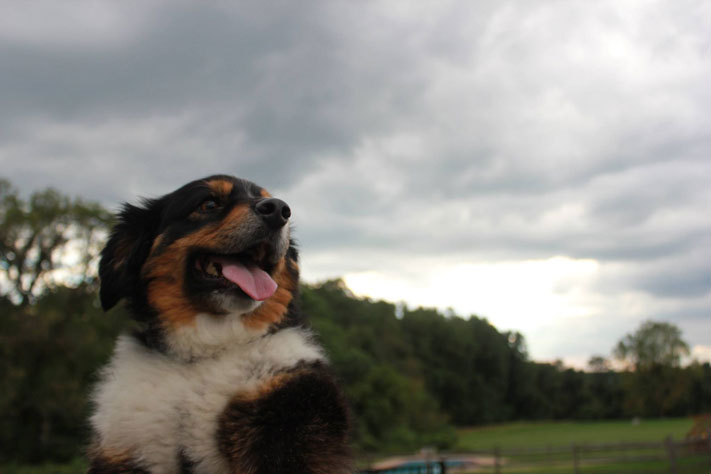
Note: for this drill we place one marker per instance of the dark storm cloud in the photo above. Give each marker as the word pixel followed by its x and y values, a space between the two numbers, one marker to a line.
pixel 205 63
pixel 288 82
pixel 187 54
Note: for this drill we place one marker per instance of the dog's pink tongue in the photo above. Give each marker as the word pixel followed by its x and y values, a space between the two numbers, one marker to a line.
pixel 253 280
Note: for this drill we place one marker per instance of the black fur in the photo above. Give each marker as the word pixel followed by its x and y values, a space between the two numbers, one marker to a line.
pixel 187 465
pixel 300 427
pixel 125 252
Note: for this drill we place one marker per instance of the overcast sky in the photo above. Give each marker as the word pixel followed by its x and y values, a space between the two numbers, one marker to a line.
pixel 545 165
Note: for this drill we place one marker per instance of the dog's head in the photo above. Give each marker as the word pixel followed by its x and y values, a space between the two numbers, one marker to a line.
pixel 218 246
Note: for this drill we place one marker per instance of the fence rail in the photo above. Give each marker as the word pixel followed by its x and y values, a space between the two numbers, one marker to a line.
pixel 690 456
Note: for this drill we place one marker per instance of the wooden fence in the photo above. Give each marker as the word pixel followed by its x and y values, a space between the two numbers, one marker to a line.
pixel 667 456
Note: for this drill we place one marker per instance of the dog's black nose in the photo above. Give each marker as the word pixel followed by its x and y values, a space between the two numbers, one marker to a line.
pixel 275 212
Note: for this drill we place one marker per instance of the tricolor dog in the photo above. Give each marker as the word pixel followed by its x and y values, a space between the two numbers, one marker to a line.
pixel 222 376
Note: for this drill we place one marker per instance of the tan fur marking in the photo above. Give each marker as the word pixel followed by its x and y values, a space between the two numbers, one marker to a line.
pixel 123 248
pixel 269 386
pixel 265 193
pixel 274 308
pixel 156 242
pixel 221 187
pixel 111 456
pixel 167 270
pixel 235 218
pixel 102 462
pixel 165 291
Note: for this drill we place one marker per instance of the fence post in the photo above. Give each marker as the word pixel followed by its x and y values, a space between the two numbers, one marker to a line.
pixel 576 461
pixel 669 442
pixel 497 454
pixel 442 466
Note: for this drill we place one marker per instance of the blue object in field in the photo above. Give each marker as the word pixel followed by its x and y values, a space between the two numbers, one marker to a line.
pixel 417 467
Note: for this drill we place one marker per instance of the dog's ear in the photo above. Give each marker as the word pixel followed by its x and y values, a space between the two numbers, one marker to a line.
pixel 126 251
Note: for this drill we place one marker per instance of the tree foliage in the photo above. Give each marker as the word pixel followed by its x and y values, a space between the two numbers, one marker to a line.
pixel 654 344
pixel 598 364
pixel 50 352
pixel 656 386
pixel 43 235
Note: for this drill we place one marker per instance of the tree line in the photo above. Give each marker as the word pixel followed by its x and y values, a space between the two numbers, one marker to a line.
pixel 411 374
pixel 465 372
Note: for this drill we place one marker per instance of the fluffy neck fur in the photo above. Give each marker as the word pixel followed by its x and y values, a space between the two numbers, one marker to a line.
pixel 209 336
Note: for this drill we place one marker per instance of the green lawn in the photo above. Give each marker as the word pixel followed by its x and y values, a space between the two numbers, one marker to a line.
pixel 553 441
pixel 564 433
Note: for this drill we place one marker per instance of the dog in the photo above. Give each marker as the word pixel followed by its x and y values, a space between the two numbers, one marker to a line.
pixel 221 374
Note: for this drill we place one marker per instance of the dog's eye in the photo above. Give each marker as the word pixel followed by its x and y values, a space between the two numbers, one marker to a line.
pixel 209 205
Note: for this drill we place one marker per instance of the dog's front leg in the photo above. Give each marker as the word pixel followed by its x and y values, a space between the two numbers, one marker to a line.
pixel 296 423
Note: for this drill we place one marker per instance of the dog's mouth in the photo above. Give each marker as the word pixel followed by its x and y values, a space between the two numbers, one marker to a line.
pixel 247 272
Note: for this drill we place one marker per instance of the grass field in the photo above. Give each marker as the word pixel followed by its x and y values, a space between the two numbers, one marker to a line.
pixel 540 435
pixel 547 447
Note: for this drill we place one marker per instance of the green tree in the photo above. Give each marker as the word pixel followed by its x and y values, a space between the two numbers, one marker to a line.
pixel 46 238
pixel 655 384
pixel 653 344
pixel 395 413
pixel 379 369
pixel 466 364
pixel 50 353
pixel 53 334
pixel 598 364
pixel 700 390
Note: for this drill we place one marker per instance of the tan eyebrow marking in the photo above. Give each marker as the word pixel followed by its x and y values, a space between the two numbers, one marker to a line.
pixel 221 187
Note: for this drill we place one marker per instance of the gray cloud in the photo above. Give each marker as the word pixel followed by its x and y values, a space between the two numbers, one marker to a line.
pixel 464 131
pixel 290 84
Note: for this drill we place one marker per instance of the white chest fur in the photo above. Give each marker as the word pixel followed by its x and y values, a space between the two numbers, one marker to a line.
pixel 153 406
